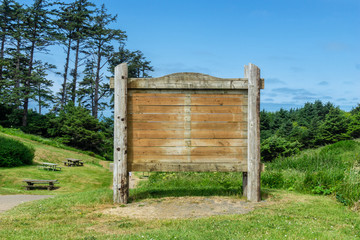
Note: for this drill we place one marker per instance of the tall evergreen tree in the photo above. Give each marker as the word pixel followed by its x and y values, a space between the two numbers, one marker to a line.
pixel 6 24
pixel 100 46
pixel 39 34
pixel 17 56
pixel 41 84
pixel 81 16
pixel 66 33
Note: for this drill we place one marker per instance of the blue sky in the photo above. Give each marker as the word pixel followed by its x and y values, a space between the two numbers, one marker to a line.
pixel 306 50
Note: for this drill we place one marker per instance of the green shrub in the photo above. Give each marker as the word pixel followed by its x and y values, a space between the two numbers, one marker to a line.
pixel 275 146
pixel 13 153
pixel 272 179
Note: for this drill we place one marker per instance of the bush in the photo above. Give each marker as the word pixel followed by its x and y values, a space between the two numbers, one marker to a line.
pixel 275 146
pixel 13 153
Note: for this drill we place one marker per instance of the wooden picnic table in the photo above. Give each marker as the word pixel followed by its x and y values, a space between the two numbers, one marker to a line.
pixel 49 184
pixel 73 162
pixel 49 166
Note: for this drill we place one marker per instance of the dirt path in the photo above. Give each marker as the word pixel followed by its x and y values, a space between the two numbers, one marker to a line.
pixel 9 201
pixel 183 207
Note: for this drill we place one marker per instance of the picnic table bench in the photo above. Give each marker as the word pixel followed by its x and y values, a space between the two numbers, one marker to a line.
pixel 49 166
pixel 49 184
pixel 73 162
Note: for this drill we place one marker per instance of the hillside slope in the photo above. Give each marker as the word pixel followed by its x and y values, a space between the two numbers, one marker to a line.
pixel 93 175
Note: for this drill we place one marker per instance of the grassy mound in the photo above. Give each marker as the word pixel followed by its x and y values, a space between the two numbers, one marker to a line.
pixel 14 153
pixel 93 175
pixel 333 169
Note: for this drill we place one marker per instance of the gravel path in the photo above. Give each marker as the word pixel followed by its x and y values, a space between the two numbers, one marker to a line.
pixel 9 201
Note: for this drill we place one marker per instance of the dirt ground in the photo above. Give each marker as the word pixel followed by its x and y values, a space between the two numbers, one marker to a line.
pixel 183 207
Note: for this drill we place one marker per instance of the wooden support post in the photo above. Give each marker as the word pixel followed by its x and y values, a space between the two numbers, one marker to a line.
pixel 244 183
pixel 121 175
pixel 252 72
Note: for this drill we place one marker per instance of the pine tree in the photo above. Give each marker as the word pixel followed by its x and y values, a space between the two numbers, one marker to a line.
pixel 39 34
pixel 17 56
pixel 81 18
pixel 42 92
pixel 100 46
pixel 334 128
pixel 65 36
pixel 6 24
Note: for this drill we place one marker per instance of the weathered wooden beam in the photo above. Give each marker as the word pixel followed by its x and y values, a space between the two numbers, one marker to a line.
pixel 153 83
pixel 252 72
pixel 121 175
pixel 244 183
pixel 174 166
pixel 111 85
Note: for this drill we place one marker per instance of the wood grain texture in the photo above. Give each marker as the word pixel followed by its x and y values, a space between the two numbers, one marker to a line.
pixel 187 125
pixel 189 167
pixel 254 167
pixel 121 177
pixel 188 81
pixel 140 109
pixel 184 134
pixel 189 142
pixel 195 101
pixel 184 151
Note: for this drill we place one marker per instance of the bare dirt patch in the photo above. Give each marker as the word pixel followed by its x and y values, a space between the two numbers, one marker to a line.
pixel 183 207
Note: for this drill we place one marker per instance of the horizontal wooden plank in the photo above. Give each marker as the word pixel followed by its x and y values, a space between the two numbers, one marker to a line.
pixel 184 94
pixel 188 167
pixel 197 117
pixel 190 83
pixel 230 126
pixel 262 83
pixel 183 101
pixel 187 142
pixel 180 158
pixel 139 109
pixel 188 151
pixel 189 91
pixel 175 134
pixel 220 117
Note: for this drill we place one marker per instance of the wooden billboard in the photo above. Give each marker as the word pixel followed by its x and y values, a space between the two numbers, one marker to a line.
pixel 187 122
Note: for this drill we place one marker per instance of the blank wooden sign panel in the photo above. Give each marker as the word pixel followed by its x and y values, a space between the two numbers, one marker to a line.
pixel 186 122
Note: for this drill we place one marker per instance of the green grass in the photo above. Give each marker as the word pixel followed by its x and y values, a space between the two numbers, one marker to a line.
pixel 76 210
pixel 77 216
pixel 72 179
pixel 46 141
pixel 189 184
pixel 333 169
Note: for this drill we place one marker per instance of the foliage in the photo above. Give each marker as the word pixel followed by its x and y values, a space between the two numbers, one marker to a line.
pixel 334 127
pixel 14 153
pixel 50 142
pixel 76 127
pixel 274 146
pixel 333 169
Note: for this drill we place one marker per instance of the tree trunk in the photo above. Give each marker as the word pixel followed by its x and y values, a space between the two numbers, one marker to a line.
pixel 39 98
pixel 66 69
pixel 16 75
pixel 27 86
pixel 73 90
pixel 1 59
pixel 97 83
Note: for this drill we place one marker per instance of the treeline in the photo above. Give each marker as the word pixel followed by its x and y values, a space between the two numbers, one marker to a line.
pixel 91 48
pixel 286 132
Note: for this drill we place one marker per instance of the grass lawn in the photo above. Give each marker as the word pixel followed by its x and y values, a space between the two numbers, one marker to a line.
pixel 78 216
pixel 77 210
pixel 72 179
